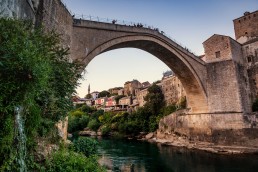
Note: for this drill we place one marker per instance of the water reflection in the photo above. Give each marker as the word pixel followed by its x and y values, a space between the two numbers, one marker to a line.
pixel 129 155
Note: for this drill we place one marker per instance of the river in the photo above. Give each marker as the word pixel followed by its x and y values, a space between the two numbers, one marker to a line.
pixel 137 156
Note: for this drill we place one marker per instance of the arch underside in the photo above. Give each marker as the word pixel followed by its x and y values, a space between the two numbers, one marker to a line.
pixel 173 58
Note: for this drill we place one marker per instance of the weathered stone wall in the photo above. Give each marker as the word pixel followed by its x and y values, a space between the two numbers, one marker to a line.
pixel 55 16
pixel 246 25
pixel 222 87
pixel 236 51
pixel 19 9
pixel 219 128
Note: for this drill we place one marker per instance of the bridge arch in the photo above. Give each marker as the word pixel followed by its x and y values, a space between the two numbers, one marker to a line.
pixel 172 57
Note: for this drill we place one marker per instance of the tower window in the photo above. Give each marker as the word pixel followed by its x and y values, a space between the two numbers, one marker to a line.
pixel 246 33
pixel 217 54
pixel 239 21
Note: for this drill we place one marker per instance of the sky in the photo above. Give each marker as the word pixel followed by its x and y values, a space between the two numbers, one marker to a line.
pixel 189 22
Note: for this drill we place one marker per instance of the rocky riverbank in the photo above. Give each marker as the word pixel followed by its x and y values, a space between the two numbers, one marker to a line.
pixel 182 141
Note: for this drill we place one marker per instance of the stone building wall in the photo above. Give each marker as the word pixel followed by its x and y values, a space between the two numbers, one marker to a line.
pixel 217 48
pixel 222 87
pixel 140 95
pixel 172 89
pixel 131 86
pixel 246 26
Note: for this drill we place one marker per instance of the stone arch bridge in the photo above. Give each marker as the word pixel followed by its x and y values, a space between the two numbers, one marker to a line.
pixel 217 92
pixel 90 38
pixel 217 99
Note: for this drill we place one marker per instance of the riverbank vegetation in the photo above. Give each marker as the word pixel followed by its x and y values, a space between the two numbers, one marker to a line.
pixel 145 119
pixel 36 77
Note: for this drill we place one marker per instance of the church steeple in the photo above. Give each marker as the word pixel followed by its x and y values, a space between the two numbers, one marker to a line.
pixel 89 89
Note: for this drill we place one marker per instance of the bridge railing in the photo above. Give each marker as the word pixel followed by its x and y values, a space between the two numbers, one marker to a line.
pixel 135 24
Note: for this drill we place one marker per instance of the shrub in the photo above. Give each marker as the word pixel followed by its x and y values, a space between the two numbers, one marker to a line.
pixel 85 145
pixel 87 109
pixel 73 122
pixel 94 124
pixel 69 161
pixel 77 113
pixel 105 130
pixel 83 121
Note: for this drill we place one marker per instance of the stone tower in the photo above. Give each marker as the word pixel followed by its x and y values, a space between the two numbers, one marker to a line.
pixel 89 89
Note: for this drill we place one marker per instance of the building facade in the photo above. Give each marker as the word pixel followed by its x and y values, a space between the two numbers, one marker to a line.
pixel 140 95
pixel 172 88
pixel 131 86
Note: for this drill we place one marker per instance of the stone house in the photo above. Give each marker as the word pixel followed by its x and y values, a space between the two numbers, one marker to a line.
pixel 125 101
pixel 131 86
pixel 172 88
pixel 140 95
pixel 115 90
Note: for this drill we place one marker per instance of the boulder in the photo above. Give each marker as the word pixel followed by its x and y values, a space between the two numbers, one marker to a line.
pixel 87 133
pixel 149 136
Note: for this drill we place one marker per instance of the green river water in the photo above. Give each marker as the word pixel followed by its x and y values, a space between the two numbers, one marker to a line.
pixel 137 156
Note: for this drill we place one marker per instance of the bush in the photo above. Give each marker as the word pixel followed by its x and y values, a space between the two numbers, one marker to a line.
pixel 69 161
pixel 105 130
pixel 73 122
pixel 85 145
pixel 77 113
pixel 87 109
pixel 83 121
pixel 94 124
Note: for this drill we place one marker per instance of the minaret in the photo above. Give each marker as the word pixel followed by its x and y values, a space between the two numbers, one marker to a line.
pixel 89 89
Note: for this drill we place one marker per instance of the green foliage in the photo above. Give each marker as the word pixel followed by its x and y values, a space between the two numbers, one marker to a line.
pixel 69 161
pixel 77 121
pixel 168 110
pixel 94 124
pixel 154 99
pixel 87 109
pixel 85 145
pixel 36 74
pixel 182 103
pixel 88 96
pixel 77 113
pixel 104 94
pixel 105 129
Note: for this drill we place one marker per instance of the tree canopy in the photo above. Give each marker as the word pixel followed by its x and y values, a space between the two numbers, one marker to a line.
pixel 104 94
pixel 154 99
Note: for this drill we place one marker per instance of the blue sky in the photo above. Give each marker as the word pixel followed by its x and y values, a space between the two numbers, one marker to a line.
pixel 190 22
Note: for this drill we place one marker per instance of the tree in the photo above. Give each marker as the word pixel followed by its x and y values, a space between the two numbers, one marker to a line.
pixel 104 94
pixel 88 96
pixel 36 74
pixel 154 99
